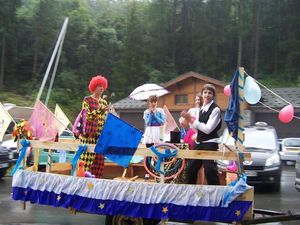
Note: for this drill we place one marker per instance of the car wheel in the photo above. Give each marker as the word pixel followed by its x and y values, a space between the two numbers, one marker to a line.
pixel 276 187
pixel 2 173
pixel 124 220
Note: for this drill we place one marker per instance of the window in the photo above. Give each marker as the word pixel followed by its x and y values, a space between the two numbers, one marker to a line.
pixel 181 99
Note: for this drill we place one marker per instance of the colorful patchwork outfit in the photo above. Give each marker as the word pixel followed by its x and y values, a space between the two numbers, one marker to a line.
pixel 95 118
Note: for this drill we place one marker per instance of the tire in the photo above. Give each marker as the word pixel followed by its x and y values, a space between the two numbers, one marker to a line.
pixel 108 220
pixel 276 187
pixel 2 172
pixel 124 220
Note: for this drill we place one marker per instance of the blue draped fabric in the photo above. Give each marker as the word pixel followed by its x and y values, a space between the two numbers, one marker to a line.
pixel 25 144
pixel 81 149
pixel 232 113
pixel 118 140
pixel 240 186
pixel 135 199
pixel 233 212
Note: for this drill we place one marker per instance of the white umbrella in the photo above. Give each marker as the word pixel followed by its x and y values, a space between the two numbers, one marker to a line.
pixel 144 91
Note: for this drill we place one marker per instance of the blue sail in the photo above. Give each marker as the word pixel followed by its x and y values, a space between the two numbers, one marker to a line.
pixel 118 140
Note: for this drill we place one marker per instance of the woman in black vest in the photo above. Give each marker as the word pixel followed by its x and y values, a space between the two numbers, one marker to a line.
pixel 208 125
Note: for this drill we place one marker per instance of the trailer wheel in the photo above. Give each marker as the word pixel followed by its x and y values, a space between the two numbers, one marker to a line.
pixel 125 220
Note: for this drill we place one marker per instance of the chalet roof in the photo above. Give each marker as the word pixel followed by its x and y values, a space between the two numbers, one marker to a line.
pixel 128 103
pixel 20 112
pixel 291 95
pixel 131 104
pixel 195 75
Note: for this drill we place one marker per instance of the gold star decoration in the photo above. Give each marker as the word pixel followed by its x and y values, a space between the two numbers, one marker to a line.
pixel 131 189
pixel 238 212
pixel 90 185
pixel 165 209
pixel 101 206
pixel 199 194
pixel 58 198
pixel 42 180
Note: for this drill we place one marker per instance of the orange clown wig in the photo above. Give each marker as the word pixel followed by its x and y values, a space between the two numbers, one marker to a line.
pixel 96 81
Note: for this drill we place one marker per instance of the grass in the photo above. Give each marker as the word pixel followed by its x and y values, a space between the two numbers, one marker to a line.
pixel 20 100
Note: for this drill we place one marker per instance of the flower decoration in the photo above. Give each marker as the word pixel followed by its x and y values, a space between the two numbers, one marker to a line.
pixel 22 130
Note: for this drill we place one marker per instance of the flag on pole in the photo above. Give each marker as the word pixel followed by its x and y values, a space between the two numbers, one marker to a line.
pixel 118 140
pixel 5 120
pixel 61 116
pixel 45 125
pixel 232 113
pixel 170 124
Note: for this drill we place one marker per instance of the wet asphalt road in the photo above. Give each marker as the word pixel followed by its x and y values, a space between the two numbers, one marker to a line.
pixel 11 211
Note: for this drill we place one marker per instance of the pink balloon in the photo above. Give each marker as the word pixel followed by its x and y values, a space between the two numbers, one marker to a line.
pixel 286 114
pixel 227 90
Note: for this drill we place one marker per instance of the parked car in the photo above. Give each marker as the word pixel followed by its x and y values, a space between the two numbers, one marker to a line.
pixel 11 147
pixel 279 142
pixel 4 161
pixel 290 147
pixel 265 167
pixel 297 182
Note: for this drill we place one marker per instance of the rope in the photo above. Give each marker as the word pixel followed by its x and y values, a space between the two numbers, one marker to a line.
pixel 273 94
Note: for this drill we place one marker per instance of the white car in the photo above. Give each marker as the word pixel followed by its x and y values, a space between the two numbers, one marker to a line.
pixel 297 166
pixel 265 167
pixel 290 147
pixel 11 147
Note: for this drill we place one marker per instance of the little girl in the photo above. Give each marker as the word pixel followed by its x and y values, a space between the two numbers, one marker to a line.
pixel 191 134
pixel 154 118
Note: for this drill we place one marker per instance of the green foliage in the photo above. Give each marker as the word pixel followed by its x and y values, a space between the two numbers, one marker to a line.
pixel 133 42
pixel 277 80
pixel 11 97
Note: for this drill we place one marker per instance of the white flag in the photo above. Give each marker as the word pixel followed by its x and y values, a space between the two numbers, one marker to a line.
pixel 61 116
pixel 5 120
pixel 170 124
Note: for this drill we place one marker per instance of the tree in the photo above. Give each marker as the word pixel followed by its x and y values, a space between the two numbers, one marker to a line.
pixel 7 38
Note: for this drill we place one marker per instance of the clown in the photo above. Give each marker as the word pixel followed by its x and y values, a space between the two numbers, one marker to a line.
pixel 96 111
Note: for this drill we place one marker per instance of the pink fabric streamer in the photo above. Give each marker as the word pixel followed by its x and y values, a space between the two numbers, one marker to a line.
pixel 188 138
pixel 170 124
pixel 45 125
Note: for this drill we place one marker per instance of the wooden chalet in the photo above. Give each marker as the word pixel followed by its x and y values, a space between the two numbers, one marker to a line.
pixel 183 90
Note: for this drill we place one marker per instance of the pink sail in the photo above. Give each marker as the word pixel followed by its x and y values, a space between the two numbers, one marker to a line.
pixel 170 124
pixel 46 125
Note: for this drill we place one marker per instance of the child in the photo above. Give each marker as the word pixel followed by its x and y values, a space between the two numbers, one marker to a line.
pixel 154 118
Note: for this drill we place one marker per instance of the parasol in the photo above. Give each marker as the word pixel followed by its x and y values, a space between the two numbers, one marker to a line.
pixel 144 91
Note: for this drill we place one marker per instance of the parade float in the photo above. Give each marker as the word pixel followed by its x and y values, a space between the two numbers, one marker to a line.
pixel 135 198
pixel 130 196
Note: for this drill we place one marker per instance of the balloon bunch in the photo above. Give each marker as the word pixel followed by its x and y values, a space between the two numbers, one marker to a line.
pixel 22 130
pixel 252 92
pixel 252 95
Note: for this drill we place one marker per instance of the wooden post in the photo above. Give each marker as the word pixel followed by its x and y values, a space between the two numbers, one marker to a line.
pixel 124 173
pixel 239 142
pixel 49 161
pixel 162 176
pixel 36 159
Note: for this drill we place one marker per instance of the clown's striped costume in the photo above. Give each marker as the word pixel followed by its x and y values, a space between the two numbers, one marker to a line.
pixel 95 118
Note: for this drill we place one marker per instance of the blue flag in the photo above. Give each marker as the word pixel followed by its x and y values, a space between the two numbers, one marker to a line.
pixel 118 140
pixel 232 113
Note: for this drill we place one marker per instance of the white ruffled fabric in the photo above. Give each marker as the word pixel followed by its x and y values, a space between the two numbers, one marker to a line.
pixel 139 192
pixel 152 135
